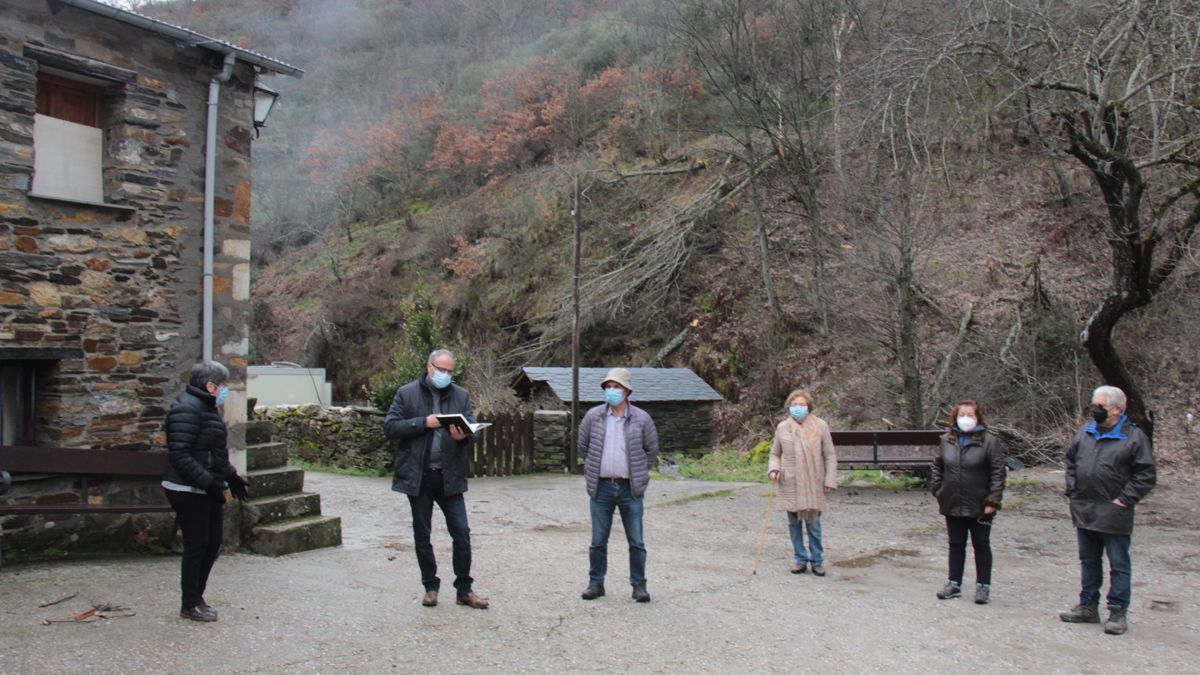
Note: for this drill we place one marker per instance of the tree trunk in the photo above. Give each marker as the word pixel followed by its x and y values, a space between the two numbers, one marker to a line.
pixel 1097 340
pixel 760 223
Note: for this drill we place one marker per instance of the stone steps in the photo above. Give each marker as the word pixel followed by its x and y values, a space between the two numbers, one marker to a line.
pixel 281 518
pixel 266 456
pixel 296 534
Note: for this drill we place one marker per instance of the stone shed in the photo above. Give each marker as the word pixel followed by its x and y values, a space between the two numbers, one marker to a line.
pixel 680 402
pixel 124 230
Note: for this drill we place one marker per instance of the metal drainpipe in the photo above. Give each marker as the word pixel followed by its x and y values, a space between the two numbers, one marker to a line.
pixel 210 189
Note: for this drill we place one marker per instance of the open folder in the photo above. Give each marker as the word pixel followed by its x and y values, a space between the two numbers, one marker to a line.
pixel 457 420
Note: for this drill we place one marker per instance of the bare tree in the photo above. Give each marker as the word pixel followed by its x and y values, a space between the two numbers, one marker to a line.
pixel 1116 82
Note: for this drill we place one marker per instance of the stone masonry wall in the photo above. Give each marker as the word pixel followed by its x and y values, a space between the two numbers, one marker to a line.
pixel 348 438
pixel 682 427
pixel 121 288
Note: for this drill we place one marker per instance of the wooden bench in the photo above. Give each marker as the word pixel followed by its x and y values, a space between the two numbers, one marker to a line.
pixel 893 437
pixel 86 464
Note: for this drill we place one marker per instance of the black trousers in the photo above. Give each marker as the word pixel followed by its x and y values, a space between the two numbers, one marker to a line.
pixel 202 522
pixel 454 508
pixel 958 529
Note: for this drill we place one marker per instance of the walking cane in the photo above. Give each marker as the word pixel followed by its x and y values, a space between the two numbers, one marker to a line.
pixel 762 535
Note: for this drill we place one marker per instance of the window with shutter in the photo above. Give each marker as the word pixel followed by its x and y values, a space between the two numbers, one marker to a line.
pixel 68 141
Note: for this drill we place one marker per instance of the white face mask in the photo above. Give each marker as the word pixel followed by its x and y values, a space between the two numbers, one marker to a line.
pixel 966 424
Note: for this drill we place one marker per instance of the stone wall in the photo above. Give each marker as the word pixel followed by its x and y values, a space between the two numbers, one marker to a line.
pixel 683 427
pixel 551 436
pixel 348 438
pixel 114 293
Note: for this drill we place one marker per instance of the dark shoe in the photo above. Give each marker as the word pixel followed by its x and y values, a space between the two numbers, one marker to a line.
pixel 950 590
pixel 204 606
pixel 472 600
pixel 983 593
pixel 799 568
pixel 593 591
pixel 819 570
pixel 198 614
pixel 1116 624
pixel 640 594
pixel 430 599
pixel 1081 614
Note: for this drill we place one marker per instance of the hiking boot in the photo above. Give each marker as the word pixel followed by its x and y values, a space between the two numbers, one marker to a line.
pixel 1081 614
pixel 950 590
pixel 640 594
pixel 1116 624
pixel 799 568
pixel 818 570
pixel 983 593
pixel 593 591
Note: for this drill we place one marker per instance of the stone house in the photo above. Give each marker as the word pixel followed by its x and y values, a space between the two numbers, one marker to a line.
pixel 124 221
pixel 679 401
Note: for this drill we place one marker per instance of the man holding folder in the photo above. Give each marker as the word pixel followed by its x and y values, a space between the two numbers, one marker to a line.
pixel 431 467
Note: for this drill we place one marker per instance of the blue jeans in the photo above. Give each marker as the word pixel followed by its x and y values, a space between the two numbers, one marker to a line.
pixel 1092 545
pixel 610 495
pixel 797 526
pixel 454 508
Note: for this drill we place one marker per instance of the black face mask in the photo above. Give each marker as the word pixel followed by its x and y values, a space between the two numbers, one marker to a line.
pixel 1099 413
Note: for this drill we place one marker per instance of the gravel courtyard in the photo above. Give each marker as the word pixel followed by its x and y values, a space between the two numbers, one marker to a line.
pixel 356 607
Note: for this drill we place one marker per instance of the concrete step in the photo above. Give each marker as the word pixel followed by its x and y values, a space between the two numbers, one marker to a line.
pixel 296 534
pixel 266 456
pixel 267 509
pixel 259 431
pixel 270 482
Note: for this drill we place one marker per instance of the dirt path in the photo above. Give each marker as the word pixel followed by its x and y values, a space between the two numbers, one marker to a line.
pixel 355 608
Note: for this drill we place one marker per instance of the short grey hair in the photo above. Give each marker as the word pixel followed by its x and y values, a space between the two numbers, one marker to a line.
pixel 1113 395
pixel 439 352
pixel 208 371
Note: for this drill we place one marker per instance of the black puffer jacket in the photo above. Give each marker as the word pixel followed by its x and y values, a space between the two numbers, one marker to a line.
pixel 1103 466
pixel 198 453
pixel 969 478
pixel 405 422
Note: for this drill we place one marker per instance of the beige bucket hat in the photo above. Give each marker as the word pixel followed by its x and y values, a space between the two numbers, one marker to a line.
pixel 619 375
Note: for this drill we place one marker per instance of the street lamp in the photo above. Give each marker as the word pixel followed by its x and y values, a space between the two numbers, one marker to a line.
pixel 264 101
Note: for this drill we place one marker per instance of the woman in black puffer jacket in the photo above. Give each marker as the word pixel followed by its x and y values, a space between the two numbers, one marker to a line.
pixel 968 481
pixel 198 472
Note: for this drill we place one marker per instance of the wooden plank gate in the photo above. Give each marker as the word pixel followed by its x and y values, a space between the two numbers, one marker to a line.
pixel 503 449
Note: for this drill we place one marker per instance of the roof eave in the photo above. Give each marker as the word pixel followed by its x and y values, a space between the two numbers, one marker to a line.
pixel 191 37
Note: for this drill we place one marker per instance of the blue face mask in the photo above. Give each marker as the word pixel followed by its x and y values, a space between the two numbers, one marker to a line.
pixel 441 380
pixel 614 396
pixel 798 412
pixel 222 395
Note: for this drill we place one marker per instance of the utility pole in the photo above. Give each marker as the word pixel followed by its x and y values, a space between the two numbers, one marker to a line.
pixel 573 451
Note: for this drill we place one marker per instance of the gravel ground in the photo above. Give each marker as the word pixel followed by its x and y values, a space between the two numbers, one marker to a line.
pixel 356 607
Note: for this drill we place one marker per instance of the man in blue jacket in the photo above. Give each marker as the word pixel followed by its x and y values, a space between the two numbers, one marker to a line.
pixel 1110 468
pixel 431 468
pixel 618 444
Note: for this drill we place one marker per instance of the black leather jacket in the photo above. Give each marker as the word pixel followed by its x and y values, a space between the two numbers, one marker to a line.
pixel 198 453
pixel 405 422
pixel 968 478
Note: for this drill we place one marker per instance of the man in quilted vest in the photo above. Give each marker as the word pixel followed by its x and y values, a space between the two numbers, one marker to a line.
pixel 618 444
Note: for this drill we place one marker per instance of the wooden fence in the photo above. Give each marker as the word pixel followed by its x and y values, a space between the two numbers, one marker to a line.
pixel 503 449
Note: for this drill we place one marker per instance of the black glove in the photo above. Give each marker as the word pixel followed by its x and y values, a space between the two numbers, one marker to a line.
pixel 237 487
pixel 216 492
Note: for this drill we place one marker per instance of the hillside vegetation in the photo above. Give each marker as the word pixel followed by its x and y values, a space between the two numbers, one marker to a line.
pixel 895 206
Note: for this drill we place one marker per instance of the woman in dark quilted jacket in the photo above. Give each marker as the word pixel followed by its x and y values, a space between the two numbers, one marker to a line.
pixel 198 473
pixel 968 481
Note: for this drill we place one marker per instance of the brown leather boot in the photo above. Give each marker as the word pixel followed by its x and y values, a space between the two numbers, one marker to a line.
pixel 472 600
pixel 430 599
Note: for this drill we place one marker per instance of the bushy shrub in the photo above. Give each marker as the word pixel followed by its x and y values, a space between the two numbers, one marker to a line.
pixel 422 334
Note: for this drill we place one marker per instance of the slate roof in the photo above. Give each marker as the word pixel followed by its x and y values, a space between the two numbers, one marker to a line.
pixel 185 35
pixel 649 384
